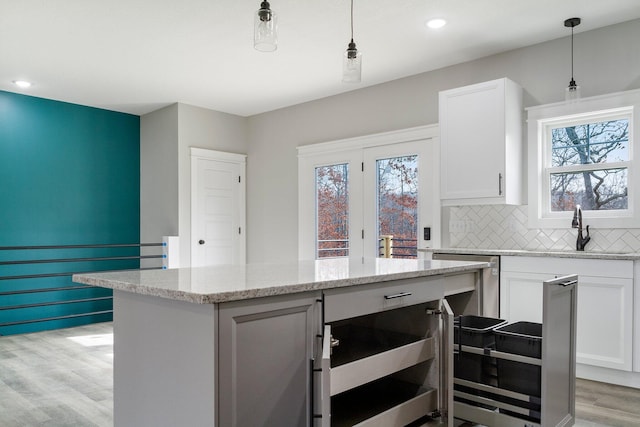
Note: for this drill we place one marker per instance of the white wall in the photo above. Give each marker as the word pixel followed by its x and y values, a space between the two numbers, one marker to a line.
pixel 158 177
pixel 165 182
pixel 202 128
pixel 606 60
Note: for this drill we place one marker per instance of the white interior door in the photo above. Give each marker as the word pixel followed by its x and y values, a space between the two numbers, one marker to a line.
pixel 217 208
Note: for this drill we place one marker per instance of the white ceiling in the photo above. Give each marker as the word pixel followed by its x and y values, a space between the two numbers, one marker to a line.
pixel 139 55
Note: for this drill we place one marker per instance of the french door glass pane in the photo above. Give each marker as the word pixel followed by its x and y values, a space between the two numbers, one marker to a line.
pixel 397 205
pixel 332 211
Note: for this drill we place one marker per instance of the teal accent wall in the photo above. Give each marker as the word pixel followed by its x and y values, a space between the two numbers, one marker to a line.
pixel 69 175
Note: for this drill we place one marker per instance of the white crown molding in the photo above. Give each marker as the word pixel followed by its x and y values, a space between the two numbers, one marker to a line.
pixel 373 140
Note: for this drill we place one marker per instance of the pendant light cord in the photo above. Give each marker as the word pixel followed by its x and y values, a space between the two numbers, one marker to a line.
pixel 352 21
pixel 572 22
pixel 572 52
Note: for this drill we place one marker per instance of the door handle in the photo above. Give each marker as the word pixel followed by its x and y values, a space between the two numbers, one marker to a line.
pixel 201 242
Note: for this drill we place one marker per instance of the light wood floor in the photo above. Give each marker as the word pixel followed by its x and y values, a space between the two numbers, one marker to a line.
pixel 65 378
pixel 49 379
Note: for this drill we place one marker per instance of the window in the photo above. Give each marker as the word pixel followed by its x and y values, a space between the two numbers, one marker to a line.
pixel 588 164
pixel 584 158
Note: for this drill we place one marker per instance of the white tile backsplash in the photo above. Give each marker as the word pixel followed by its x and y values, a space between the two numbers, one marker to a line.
pixel 506 227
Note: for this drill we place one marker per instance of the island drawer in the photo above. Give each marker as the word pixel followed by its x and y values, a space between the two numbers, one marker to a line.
pixel 460 283
pixel 353 301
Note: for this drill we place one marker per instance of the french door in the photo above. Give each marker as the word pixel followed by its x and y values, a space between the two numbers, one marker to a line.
pixel 395 198
pixel 352 202
pixel 330 205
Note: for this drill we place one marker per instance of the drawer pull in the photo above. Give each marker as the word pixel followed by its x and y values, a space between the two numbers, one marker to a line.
pixel 400 295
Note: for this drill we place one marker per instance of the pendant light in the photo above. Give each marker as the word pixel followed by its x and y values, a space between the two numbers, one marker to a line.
pixel 572 92
pixel 265 37
pixel 352 62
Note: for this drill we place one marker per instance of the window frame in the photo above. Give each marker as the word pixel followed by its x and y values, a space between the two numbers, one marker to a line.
pixel 358 150
pixel 541 121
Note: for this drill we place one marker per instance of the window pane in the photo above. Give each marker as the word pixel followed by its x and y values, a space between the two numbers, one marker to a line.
pixel 601 142
pixel 595 190
pixel 332 211
pixel 398 203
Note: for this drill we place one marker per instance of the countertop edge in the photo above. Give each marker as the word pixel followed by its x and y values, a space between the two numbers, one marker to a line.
pixel 518 252
pixel 94 279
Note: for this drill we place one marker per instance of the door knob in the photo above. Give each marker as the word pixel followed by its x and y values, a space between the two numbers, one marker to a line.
pixel 201 242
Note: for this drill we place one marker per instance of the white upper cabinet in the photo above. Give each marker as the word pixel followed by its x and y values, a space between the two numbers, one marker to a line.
pixel 481 144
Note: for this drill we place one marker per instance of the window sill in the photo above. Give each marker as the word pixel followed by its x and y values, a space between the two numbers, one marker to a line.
pixel 564 221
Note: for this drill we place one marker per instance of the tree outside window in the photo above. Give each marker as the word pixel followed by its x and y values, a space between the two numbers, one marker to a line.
pixel 589 166
pixel 398 203
pixel 332 207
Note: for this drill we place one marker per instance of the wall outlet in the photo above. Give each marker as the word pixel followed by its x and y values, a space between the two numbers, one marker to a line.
pixel 427 233
pixel 456 226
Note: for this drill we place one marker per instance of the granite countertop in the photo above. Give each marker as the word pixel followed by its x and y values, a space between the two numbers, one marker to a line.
pixel 216 284
pixel 515 252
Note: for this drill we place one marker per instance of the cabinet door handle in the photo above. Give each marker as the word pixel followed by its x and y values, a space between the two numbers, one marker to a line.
pixel 499 184
pixel 400 295
pixel 568 283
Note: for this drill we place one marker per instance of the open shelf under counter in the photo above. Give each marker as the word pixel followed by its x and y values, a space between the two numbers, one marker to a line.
pixel 384 402
pixel 383 368
pixel 366 354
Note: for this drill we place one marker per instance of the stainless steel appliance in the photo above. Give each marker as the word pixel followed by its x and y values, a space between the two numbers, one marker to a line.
pixel 490 289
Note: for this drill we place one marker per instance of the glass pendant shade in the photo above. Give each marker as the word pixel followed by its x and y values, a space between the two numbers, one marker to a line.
pixel 572 92
pixel 265 37
pixel 352 65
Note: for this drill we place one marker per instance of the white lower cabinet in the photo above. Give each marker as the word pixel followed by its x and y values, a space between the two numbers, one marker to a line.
pixel 605 322
pixel 386 354
pixel 521 296
pixel 605 303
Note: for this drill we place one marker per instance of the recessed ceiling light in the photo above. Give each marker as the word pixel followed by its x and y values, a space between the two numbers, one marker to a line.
pixel 436 23
pixel 22 83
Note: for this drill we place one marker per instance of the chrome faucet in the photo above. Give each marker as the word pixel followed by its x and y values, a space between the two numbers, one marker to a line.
pixel 581 242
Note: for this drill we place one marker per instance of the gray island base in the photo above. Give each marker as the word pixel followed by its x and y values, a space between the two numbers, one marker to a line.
pixel 253 345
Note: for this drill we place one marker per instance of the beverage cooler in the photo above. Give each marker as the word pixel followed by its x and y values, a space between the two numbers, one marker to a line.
pixel 436 360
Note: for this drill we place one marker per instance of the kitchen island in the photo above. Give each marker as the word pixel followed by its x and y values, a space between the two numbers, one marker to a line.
pixel 240 345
